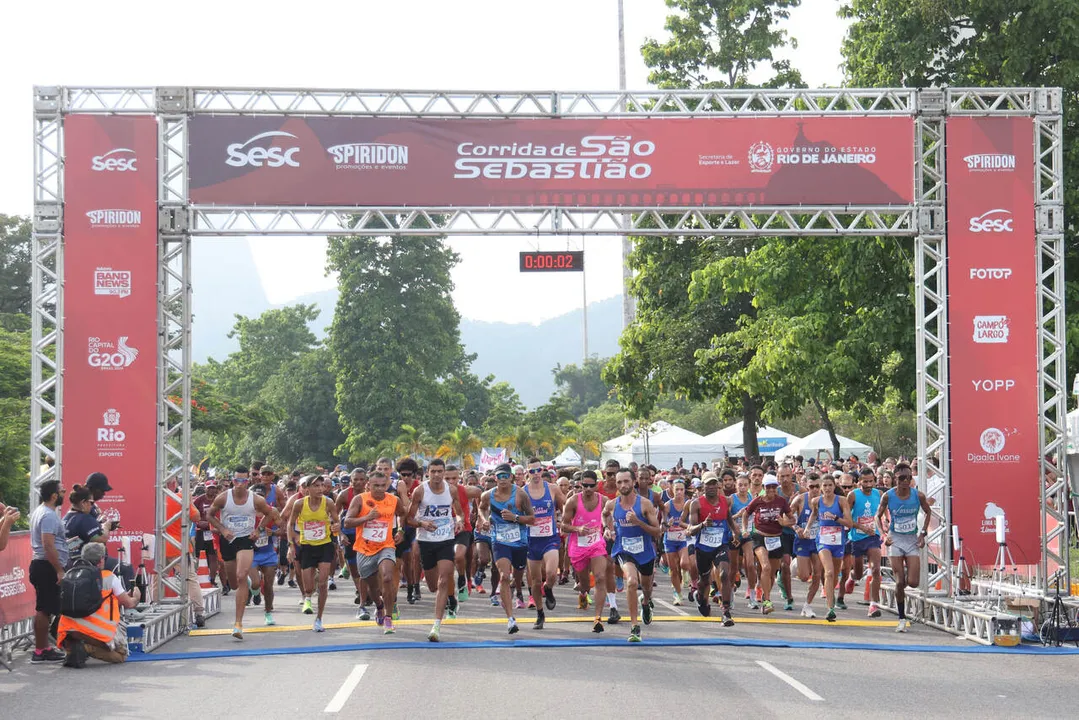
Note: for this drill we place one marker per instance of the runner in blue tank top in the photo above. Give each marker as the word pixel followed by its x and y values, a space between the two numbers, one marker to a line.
pixel 864 501
pixel 832 514
pixel 805 547
pixel 544 542
pixel 904 541
pixel 632 523
pixel 507 511
pixel 741 498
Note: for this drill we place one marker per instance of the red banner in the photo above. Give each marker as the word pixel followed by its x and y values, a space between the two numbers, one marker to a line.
pixel 17 597
pixel 110 312
pixel 993 335
pixel 660 162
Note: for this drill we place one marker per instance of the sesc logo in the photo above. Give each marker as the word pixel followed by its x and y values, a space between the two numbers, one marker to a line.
pixel 990 273
pixel 110 438
pixel 115 160
pixel 258 156
pixel 992 221
pixel 107 356
pixel 991 329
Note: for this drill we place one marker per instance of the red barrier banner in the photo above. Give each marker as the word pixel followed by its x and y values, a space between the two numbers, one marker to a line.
pixel 993 335
pixel 110 312
pixel 571 162
pixel 17 597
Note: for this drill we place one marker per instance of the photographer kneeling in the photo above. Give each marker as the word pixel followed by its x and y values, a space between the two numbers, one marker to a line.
pixel 90 611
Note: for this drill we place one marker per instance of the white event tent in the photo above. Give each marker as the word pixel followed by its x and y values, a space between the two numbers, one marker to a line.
pixel 567 458
pixel 769 439
pixel 662 445
pixel 811 445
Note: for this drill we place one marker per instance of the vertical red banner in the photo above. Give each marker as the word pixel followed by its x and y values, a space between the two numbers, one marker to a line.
pixel 110 312
pixel 993 336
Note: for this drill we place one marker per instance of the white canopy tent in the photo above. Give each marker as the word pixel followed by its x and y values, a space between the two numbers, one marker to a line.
pixel 662 445
pixel 567 458
pixel 769 439
pixel 811 445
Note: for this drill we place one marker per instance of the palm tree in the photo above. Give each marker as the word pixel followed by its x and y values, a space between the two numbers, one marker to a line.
pixel 576 436
pixel 518 441
pixel 460 443
pixel 412 442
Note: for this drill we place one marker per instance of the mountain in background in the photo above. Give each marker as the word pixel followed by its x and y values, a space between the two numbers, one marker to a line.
pixel 226 283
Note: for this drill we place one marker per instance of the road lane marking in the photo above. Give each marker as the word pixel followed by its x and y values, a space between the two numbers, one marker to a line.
pixel 345 691
pixel 672 608
pixel 790 681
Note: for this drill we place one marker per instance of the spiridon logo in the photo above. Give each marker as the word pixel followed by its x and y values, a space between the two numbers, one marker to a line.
pixel 369 156
pixel 115 161
pixel 990 162
pixel 110 438
pixel 116 283
pixel 992 441
pixel 991 329
pixel 273 156
pixel 108 356
pixel 114 218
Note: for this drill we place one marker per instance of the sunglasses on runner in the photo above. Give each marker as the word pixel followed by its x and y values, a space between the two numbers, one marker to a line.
pixel 533 471
pixel 405 474
pixel 503 476
pixel 903 477
pixel 609 474
pixel 588 484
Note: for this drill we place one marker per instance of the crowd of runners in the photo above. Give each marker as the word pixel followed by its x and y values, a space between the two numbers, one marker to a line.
pixel 726 539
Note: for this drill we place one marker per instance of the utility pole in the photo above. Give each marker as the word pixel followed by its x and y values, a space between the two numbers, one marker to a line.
pixel 629 310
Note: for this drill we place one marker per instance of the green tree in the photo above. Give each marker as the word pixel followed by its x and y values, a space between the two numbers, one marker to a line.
pixel 460 443
pixel 582 384
pixel 395 337
pixel 604 422
pixel 413 441
pixel 478 399
pixel 15 252
pixel 14 418
pixel 581 439
pixel 1017 43
pixel 507 410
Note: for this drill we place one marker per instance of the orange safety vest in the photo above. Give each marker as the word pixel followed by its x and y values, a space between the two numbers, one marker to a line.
pixel 99 626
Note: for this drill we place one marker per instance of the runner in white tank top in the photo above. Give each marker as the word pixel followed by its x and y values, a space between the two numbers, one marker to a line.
pixel 436 513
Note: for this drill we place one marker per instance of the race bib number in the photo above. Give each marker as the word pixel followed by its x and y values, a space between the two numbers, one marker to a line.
pixel 507 534
pixel 588 540
pixel 633 545
pixel 443 529
pixel 906 526
pixel 831 536
pixel 772 543
pixel 375 531
pixel 314 530
pixel 712 536
pixel 262 541
pixel 544 527
pixel 240 524
pixel 208 535
pixel 678 535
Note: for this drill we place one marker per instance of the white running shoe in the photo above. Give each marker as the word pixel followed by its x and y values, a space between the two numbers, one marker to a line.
pixel 807 611
pixel 902 626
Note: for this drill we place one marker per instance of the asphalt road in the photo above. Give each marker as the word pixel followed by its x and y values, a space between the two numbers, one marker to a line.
pixel 352 670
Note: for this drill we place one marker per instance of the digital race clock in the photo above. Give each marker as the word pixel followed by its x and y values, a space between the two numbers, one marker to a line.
pixel 570 260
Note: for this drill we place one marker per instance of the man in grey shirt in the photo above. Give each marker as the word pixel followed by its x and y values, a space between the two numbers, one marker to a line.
pixel 47 540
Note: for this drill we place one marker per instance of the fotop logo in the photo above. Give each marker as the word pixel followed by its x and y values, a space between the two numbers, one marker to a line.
pixel 240 155
pixel 990 273
pixel 990 329
pixel 993 385
pixel 997 220
pixel 990 162
pixel 369 156
pixel 108 356
pixel 115 160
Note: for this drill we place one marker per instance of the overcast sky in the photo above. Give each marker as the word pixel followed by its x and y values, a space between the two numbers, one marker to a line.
pixel 399 44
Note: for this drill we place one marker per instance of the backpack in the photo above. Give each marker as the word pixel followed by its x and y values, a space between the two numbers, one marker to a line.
pixel 80 591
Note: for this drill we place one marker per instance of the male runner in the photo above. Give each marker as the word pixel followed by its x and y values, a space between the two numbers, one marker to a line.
pixel 865 542
pixel 233 514
pixel 292 552
pixel 357 484
pixel 544 542
pixel 788 490
pixel 316 522
pixel 462 549
pixel 507 512
pixel 903 540
pixel 436 512
pixel 375 541
pixel 408 476
pixel 265 556
pixel 632 522
pixel 708 517
pixel 582 521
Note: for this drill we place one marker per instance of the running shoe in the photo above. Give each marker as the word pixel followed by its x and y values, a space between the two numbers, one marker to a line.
pixel 582 602
pixel 737 581
pixel 635 634
pixel 269 619
pixel 664 568
pixel 563 579
pixel 256 598
pixel 598 627
pixel 481 590
pixel 200 621
pixel 51 655
pixel 840 605
pixel 703 606
pixel 357 600
pixel 451 612
pixel 495 602
pixel 848 587
pixel 411 597
pixel 307 609
pixel 237 632
pixel 280 578
pixel 225 590
pixel 789 605
pixel 619 585
pixel 549 598
pixel 760 595
pixel 363 613
pixel 512 628
pixel 767 607
pixel 520 603
pixel 728 621
pixel 677 599
pixel 417 593
pixel 396 615
pixel 343 574
pixel 753 604
pixel 380 616
pixel 317 627
pixel 874 610
pixel 531 602
pixel 830 617
pixel 333 585
pixel 478 578
pixel 807 611
pixel 462 593
pixel 433 635
pixel 903 625
pixel 387 626
pixel 614 617
pixel 538 625
pixel 646 613
pixel 292 583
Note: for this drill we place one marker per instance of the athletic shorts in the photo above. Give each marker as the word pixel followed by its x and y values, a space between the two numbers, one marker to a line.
pixel 480 538
pixel 518 556
pixel 265 556
pixel 43 578
pixel 644 568
pixel 691 546
pixel 904 546
pixel 837 551
pixel 670 546
pixel 536 549
pixel 788 542
pixel 367 565
pixel 759 542
pixel 206 546
pixel 861 548
pixel 432 553
pixel 708 557
pixel 350 552
pixel 312 556
pixel 464 539
pixel 805 548
pixel 405 546
pixel 230 549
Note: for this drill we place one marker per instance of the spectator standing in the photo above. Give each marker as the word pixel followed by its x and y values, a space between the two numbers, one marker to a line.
pixel 8 516
pixel 47 541
pixel 80 526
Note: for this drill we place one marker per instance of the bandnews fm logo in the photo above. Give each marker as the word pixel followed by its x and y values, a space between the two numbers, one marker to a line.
pixel 114 283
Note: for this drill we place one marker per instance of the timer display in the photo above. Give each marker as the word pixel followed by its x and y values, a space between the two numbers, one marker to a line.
pixel 568 261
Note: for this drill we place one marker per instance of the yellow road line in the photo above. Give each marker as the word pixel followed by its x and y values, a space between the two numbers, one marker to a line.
pixel 499 621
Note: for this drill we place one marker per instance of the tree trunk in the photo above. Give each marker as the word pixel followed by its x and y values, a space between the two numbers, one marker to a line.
pixel 824 418
pixel 749 428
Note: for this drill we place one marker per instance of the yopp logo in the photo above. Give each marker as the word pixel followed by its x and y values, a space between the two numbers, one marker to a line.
pixel 990 329
pixel 990 273
pixel 116 283
pixel 110 438
pixel 109 356
pixel 993 385
pixel 241 155
pixel 990 162
pixel 997 220
pixel 114 218
pixel 115 160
